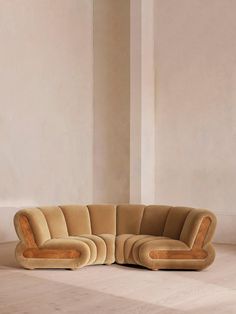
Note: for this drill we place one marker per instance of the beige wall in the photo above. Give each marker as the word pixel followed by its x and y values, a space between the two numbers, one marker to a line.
pixel 111 100
pixel 196 107
pixel 46 102
pixel 65 110
pixel 52 117
pixel 142 102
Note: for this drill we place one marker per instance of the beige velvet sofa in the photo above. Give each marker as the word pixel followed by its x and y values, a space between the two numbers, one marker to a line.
pixel 73 236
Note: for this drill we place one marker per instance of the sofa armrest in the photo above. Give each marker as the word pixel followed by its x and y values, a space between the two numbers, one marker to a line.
pixel 198 228
pixel 24 230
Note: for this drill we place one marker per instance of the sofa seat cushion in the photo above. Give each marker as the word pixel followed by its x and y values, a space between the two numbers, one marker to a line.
pixel 105 247
pixel 109 240
pixel 152 254
pixel 101 248
pixel 76 244
pixel 127 247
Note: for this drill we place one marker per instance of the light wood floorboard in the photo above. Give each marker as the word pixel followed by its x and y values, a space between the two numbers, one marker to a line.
pixel 118 289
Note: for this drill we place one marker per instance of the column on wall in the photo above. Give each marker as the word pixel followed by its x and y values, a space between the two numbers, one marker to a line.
pixel 142 104
pixel 111 101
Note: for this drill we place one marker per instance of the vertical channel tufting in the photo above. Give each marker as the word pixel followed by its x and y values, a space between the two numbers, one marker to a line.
pixel 90 219
pixel 109 240
pixel 77 218
pixel 164 226
pixel 56 221
pixel 103 219
pixel 65 219
pixel 116 209
pixel 141 220
pixel 153 220
pixel 129 218
pixel 175 221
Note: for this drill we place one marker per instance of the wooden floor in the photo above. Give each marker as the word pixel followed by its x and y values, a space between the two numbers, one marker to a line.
pixel 118 289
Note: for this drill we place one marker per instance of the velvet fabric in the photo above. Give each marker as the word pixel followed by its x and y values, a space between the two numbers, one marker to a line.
pixel 155 236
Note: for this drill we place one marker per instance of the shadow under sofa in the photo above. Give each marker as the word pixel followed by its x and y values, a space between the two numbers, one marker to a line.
pixel 154 236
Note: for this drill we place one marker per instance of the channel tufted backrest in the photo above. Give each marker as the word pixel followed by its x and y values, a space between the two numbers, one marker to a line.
pixel 129 218
pixel 56 221
pixel 180 223
pixel 103 219
pixel 77 219
pixel 175 222
pixel 154 219
pixel 50 222
pixel 158 220
pixel 74 220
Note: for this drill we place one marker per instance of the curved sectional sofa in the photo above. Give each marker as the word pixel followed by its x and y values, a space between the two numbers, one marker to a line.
pixel 155 236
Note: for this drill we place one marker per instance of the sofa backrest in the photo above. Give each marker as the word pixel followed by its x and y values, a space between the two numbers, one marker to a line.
pixel 103 219
pixel 180 223
pixel 129 218
pixel 74 220
pixel 69 220
pixel 158 220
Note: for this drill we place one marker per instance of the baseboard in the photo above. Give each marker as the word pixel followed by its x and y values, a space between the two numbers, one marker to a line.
pixel 225 230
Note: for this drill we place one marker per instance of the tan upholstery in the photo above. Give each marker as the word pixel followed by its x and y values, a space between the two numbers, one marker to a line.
pixel 109 240
pixel 103 219
pixel 56 222
pixel 129 218
pixel 175 221
pixel 154 218
pixel 37 222
pixel 155 236
pixel 77 219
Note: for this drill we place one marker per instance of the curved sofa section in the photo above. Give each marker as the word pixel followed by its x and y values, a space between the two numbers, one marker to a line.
pixel 155 236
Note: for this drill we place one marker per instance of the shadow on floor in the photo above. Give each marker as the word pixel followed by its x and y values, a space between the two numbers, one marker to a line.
pixel 7 255
pixel 57 297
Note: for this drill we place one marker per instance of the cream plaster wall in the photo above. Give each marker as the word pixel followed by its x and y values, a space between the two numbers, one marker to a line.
pixel 111 100
pixel 65 111
pixel 196 107
pixel 64 99
pixel 46 117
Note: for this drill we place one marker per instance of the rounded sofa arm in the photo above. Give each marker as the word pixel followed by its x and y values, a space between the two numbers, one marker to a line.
pixel 31 226
pixel 192 251
pixel 32 251
pixel 24 230
pixel 198 228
